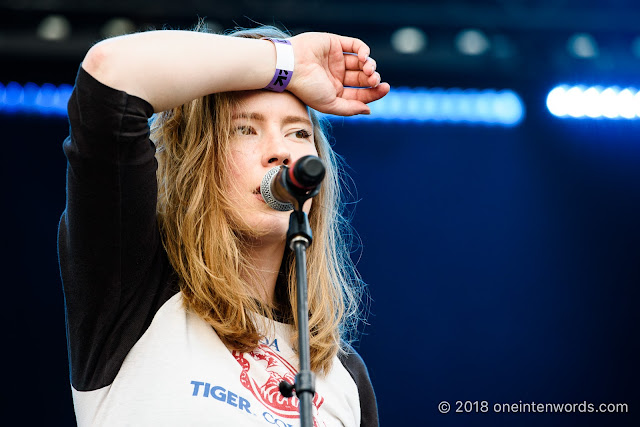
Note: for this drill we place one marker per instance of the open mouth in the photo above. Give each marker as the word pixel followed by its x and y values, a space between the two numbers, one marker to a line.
pixel 258 193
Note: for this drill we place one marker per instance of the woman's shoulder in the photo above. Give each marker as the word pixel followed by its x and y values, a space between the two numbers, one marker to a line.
pixel 354 364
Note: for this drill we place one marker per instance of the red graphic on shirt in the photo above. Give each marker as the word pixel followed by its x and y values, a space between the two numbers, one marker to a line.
pixel 263 381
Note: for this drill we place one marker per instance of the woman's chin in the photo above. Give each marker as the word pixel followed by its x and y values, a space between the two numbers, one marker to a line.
pixel 265 226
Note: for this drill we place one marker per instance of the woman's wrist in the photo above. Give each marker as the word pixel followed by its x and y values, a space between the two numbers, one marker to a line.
pixel 284 64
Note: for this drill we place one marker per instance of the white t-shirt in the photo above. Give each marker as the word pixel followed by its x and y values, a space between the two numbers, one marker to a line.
pixel 180 374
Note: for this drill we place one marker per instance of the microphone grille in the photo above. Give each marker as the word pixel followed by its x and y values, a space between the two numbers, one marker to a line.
pixel 267 194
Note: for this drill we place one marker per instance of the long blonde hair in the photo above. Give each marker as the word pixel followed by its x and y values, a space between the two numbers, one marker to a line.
pixel 209 255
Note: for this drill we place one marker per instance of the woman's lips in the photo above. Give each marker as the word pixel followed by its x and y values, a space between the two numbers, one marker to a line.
pixel 258 194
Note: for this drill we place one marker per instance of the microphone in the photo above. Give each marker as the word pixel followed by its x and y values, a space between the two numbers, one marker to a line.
pixel 283 185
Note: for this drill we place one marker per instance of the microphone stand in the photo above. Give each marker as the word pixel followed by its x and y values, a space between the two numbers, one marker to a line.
pixel 299 237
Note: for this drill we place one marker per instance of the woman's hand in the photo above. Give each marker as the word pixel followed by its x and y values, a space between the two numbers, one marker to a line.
pixel 325 64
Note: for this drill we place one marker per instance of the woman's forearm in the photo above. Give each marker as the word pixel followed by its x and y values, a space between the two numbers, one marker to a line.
pixel 168 68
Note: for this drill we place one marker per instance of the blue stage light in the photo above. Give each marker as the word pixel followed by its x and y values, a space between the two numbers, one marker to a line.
pixel 594 102
pixel 464 106
pixel 467 106
pixel 47 99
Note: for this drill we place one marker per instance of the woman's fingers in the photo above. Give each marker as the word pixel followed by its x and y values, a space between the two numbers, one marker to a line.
pixel 360 79
pixel 366 95
pixel 347 107
pixel 352 62
pixel 369 66
pixel 353 45
pixel 354 101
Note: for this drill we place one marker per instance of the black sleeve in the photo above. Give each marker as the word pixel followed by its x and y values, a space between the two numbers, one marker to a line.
pixel 112 263
pixel 356 367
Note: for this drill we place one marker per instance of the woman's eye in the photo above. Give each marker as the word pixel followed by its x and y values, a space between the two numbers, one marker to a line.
pixel 302 133
pixel 244 130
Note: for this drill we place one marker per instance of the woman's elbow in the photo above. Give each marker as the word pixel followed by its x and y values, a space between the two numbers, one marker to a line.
pixel 96 60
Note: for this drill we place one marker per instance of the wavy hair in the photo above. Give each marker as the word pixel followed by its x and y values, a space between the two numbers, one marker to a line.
pixel 202 239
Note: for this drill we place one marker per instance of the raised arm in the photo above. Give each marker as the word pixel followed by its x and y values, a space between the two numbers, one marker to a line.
pixel 169 68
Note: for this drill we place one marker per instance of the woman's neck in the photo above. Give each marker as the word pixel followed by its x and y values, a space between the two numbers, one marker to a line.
pixel 265 259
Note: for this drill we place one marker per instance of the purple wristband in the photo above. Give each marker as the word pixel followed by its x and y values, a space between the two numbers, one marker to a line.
pixel 284 65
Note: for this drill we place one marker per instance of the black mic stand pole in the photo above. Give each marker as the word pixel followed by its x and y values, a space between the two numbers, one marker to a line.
pixel 299 237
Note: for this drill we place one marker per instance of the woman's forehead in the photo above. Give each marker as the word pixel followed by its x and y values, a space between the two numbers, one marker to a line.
pixel 267 103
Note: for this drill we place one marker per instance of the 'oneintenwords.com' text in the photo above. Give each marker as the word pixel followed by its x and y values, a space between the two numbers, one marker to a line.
pixel 483 406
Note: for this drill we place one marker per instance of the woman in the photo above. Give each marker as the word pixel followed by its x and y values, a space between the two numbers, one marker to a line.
pixel 179 291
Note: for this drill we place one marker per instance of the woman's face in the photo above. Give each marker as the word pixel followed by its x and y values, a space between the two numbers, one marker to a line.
pixel 268 129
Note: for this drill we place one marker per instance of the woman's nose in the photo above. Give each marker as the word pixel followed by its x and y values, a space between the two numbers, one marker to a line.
pixel 276 154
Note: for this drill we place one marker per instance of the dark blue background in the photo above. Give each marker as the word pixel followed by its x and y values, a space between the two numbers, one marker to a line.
pixel 503 266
